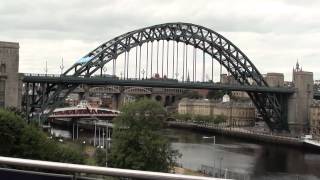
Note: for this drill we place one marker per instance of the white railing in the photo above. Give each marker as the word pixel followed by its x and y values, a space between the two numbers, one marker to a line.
pixel 76 168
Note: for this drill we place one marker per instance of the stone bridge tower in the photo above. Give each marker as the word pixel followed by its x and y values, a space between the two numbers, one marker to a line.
pixel 299 103
pixel 10 85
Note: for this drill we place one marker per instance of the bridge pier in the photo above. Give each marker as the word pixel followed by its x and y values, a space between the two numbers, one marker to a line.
pixel 299 102
pixel 115 101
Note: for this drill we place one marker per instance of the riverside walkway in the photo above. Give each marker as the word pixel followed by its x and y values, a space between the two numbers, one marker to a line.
pixel 241 133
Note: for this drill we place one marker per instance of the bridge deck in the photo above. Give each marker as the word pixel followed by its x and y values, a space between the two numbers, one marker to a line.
pixel 152 83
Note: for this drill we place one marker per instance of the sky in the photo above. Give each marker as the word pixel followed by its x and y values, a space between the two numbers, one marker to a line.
pixel 274 34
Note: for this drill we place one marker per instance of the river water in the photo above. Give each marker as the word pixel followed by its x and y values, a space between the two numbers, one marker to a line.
pixel 260 161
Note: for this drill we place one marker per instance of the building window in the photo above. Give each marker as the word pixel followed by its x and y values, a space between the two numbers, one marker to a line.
pixel 3 68
pixel 2 93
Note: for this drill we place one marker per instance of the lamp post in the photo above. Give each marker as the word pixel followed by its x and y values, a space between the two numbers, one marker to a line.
pixel 221 158
pixel 214 161
pixel 143 71
pixel 61 66
pixel 108 139
pixel 46 68
pixel 104 69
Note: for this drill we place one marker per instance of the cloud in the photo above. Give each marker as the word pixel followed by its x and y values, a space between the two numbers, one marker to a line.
pixel 268 31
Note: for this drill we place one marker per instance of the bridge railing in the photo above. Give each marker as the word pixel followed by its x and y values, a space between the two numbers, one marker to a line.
pixel 134 79
pixel 118 78
pixel 42 75
pixel 76 171
pixel 152 82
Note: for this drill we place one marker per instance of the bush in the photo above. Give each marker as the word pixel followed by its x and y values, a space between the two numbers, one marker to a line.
pixel 19 139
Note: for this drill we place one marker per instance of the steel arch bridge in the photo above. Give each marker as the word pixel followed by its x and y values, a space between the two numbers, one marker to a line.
pixel 271 105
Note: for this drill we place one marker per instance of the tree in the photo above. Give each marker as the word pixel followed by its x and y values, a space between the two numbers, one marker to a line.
pixel 19 139
pixel 11 127
pixel 100 157
pixel 137 142
pixel 191 95
pixel 215 94
pixel 16 111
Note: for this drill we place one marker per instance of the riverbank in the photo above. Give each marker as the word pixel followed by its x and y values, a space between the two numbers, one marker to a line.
pixel 240 133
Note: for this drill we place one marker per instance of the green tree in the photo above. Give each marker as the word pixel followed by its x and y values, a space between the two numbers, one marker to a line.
pixel 100 157
pixel 19 139
pixel 11 127
pixel 191 95
pixel 137 142
pixel 16 111
pixel 215 94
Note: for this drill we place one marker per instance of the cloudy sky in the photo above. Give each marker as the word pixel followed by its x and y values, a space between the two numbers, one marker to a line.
pixel 272 33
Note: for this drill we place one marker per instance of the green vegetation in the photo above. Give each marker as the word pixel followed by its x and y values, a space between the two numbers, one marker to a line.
pixel 19 139
pixel 137 143
pixel 200 118
pixel 182 117
pixel 216 94
pixel 100 157
pixel 191 95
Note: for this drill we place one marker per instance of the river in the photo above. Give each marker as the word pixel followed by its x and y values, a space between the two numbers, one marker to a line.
pixel 260 161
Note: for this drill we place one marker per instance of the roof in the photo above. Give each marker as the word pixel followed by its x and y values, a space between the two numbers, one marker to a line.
pixel 4 44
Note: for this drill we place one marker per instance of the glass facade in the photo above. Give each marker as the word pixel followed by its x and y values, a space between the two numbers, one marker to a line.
pixel 2 93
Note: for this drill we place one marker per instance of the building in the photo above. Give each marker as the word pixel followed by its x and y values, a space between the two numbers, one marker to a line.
pixel 73 99
pixel 240 95
pixel 228 79
pixel 275 79
pixel 314 118
pixel 10 84
pixel 237 114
